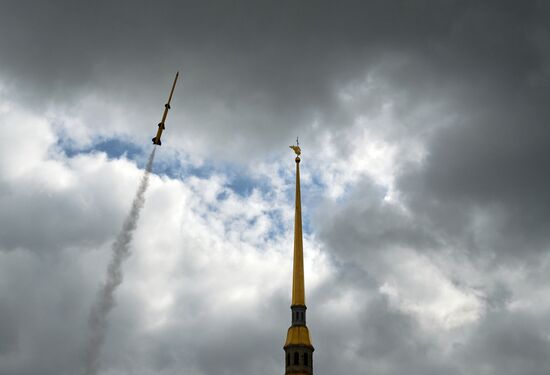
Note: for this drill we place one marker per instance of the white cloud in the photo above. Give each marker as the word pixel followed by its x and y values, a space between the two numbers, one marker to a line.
pixel 416 285
pixel 198 243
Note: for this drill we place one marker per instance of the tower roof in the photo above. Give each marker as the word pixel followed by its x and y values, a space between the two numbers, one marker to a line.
pixel 298 335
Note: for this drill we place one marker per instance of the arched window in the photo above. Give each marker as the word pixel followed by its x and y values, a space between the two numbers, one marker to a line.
pixel 306 362
pixel 296 358
pixel 288 359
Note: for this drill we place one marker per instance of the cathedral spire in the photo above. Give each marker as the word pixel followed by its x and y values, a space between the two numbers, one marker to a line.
pixel 298 348
pixel 298 288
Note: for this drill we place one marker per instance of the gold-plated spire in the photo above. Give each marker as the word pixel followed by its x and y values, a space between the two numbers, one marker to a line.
pixel 298 288
pixel 298 348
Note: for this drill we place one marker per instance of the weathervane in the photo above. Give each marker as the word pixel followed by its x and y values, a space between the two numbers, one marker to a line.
pixel 297 150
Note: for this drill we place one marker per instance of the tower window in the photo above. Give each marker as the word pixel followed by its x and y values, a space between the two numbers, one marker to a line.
pixel 306 361
pixel 296 358
pixel 288 359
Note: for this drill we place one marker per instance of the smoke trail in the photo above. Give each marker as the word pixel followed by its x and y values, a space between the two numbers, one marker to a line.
pixel 105 297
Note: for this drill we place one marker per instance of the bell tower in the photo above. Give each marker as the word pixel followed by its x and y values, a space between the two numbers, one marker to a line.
pixel 298 348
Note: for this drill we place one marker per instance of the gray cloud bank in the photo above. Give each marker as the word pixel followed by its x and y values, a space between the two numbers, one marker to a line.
pixel 265 71
pixel 451 279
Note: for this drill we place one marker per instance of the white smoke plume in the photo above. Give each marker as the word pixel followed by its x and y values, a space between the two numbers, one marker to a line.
pixel 105 301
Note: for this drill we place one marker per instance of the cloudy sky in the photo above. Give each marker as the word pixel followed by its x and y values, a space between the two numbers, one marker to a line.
pixel 425 133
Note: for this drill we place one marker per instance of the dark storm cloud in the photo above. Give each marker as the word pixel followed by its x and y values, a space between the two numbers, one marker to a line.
pixel 250 71
pixel 40 314
pixel 261 72
pixel 365 225
pixel 24 229
pixel 392 337
pixel 8 328
pixel 509 343
pixel 492 160
pixel 378 338
pixel 482 186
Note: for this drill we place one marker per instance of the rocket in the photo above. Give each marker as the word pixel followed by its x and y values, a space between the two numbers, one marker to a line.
pixel 156 140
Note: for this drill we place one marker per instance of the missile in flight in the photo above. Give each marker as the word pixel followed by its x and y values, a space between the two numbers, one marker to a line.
pixel 156 140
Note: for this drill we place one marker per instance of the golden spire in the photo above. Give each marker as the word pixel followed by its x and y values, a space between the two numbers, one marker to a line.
pixel 298 348
pixel 298 289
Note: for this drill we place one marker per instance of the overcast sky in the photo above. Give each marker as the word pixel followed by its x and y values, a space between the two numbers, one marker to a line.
pixel 424 127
